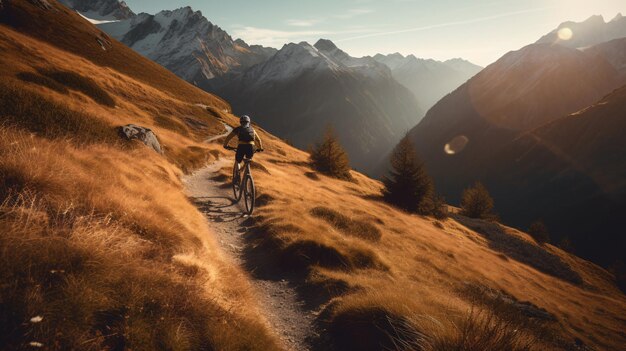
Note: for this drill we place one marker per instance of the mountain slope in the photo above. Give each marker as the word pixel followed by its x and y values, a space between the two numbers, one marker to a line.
pixel 183 41
pixel 99 246
pixel 590 32
pixel 520 92
pixel 573 172
pixel 101 249
pixel 302 89
pixel 429 80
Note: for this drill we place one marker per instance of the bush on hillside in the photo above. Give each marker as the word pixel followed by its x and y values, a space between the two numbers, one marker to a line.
pixel 476 202
pixel 330 158
pixel 618 268
pixel 408 186
pixel 440 208
pixel 539 232
pixel 566 244
pixel 485 329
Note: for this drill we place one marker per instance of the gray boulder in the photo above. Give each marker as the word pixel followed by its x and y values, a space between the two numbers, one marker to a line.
pixel 145 135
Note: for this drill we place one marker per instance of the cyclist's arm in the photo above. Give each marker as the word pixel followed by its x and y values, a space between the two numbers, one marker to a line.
pixel 229 137
pixel 258 139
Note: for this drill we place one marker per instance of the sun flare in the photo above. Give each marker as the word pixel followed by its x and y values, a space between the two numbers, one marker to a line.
pixel 565 33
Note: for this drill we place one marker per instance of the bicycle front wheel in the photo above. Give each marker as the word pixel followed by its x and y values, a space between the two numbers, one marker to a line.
pixel 236 182
pixel 249 194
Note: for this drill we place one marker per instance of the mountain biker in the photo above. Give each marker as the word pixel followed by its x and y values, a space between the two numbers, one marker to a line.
pixel 247 137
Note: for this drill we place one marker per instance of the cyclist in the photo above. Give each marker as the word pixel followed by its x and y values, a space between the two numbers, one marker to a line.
pixel 247 137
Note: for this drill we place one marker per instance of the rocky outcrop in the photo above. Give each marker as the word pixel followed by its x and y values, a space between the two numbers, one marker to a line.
pixel 145 135
pixel 101 9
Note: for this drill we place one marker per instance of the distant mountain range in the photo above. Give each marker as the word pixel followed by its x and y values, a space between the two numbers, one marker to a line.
pixel 369 104
pixel 428 79
pixel 590 32
pixel 302 89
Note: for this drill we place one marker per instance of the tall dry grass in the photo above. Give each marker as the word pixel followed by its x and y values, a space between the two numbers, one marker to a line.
pixel 101 250
pixel 387 279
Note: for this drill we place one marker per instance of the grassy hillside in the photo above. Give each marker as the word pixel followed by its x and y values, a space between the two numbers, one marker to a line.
pixel 379 276
pixel 99 247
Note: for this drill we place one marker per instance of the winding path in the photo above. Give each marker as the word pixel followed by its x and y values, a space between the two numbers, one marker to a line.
pixel 283 310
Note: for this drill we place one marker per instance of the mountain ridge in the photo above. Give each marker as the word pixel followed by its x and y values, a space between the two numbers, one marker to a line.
pixel 302 89
pixel 594 30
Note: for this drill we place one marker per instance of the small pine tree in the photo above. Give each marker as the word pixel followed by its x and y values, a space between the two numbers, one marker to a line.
pixel 539 232
pixel 330 158
pixel 477 203
pixel 566 245
pixel 408 186
pixel 618 268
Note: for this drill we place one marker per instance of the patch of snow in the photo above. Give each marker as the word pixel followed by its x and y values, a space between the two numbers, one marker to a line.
pixel 95 21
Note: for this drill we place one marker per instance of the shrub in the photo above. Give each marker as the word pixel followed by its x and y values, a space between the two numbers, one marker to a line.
pixel 485 330
pixel 408 186
pixel 477 203
pixel 539 232
pixel 566 245
pixel 85 85
pixel 330 158
pixel 440 208
pixel 618 268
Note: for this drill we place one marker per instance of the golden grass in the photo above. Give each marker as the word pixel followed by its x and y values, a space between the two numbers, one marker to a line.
pixel 99 240
pixel 99 246
pixel 418 267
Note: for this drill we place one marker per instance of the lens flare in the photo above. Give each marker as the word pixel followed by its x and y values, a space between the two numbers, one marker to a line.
pixel 565 33
pixel 456 145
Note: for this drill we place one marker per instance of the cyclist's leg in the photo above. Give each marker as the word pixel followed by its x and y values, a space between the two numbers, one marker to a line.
pixel 241 152
pixel 249 150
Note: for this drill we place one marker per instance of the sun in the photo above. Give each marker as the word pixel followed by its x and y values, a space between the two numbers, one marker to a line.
pixel 565 33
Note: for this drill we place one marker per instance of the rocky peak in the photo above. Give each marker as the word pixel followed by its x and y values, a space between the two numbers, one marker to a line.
pixel 325 45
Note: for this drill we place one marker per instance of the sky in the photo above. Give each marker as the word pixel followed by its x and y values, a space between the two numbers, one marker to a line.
pixel 477 30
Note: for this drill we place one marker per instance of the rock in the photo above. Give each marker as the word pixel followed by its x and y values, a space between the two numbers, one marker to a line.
pixel 147 136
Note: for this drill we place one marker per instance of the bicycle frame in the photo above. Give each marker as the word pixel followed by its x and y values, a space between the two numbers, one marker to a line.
pixel 243 185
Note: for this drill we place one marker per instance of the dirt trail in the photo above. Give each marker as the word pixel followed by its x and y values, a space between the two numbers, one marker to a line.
pixel 282 308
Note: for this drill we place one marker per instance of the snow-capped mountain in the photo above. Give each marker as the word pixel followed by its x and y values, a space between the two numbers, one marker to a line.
pixel 590 32
pixel 100 9
pixel 303 88
pixel 428 79
pixel 183 40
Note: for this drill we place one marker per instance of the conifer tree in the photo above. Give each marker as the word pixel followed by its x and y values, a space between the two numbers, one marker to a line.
pixel 539 232
pixel 408 186
pixel 476 202
pixel 329 157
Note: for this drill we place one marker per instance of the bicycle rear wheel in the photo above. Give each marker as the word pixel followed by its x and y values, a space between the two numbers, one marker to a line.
pixel 236 182
pixel 249 194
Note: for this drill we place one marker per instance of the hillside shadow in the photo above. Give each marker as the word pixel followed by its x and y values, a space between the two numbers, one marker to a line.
pixel 520 249
pixel 218 208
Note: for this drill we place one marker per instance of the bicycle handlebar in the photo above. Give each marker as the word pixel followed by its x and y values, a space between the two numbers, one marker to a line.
pixel 235 149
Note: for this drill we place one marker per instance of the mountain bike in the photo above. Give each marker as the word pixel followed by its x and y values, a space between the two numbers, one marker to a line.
pixel 243 185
